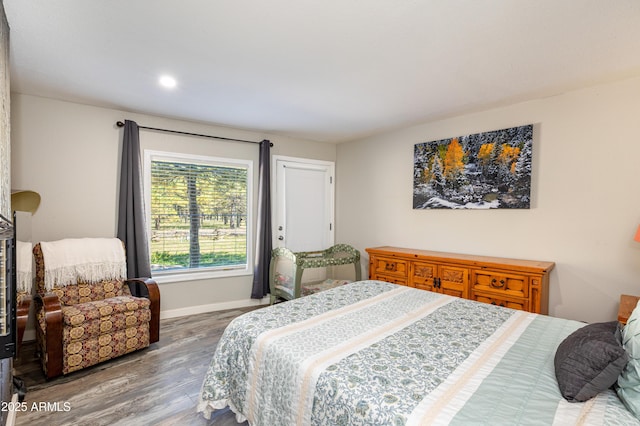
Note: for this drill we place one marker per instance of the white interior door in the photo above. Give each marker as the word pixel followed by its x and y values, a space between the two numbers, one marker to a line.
pixel 304 194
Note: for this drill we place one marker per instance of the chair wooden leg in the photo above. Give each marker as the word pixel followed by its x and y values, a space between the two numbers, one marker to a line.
pixel 154 324
pixel 53 334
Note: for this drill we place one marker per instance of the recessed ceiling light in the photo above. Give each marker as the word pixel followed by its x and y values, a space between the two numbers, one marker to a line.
pixel 167 81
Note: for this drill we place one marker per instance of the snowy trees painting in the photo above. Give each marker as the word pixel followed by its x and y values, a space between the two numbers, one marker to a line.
pixel 487 170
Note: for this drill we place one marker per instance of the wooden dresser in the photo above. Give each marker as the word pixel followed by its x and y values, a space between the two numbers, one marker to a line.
pixel 514 283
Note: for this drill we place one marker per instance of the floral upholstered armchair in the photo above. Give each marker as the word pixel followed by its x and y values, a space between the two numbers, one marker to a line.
pixel 87 311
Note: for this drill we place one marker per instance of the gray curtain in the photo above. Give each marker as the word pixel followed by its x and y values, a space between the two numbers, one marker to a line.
pixel 132 229
pixel 263 229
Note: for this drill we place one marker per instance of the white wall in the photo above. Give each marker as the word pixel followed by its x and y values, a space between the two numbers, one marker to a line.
pixel 585 204
pixel 585 207
pixel 70 154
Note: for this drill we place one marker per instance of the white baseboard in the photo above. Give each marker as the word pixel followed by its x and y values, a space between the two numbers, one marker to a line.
pixel 213 307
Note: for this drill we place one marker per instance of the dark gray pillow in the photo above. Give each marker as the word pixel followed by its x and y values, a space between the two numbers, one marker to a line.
pixel 589 361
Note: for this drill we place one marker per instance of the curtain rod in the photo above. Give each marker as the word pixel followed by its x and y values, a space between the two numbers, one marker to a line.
pixel 121 124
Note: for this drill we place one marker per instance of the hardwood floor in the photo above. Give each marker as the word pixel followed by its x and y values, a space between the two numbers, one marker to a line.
pixel 159 385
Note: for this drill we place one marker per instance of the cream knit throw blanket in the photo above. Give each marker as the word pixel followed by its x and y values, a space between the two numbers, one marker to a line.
pixel 88 260
pixel 24 266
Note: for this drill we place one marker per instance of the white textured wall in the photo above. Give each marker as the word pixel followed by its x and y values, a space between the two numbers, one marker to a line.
pixel 70 154
pixel 5 147
pixel 585 204
pixel 585 209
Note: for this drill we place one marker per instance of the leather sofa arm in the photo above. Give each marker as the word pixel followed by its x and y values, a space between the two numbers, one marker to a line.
pixel 147 287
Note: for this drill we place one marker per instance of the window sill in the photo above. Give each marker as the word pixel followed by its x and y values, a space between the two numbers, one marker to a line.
pixel 174 277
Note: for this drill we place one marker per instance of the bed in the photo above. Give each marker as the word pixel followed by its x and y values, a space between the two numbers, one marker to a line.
pixel 375 353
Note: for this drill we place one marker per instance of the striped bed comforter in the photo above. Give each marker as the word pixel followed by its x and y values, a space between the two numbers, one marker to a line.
pixel 374 353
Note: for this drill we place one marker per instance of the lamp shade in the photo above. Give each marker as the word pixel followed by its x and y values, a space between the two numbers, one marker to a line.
pixel 637 237
pixel 25 201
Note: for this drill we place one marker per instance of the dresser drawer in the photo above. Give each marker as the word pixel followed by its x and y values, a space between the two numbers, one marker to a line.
pixel 500 284
pixel 389 267
pixel 520 304
pixel 390 279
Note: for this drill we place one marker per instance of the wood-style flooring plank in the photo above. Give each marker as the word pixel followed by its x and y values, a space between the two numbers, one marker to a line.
pixel 159 385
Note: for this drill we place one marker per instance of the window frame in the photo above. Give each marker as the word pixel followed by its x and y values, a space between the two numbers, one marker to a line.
pixel 207 272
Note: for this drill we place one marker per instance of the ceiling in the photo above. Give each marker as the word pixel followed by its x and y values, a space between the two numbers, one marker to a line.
pixel 330 70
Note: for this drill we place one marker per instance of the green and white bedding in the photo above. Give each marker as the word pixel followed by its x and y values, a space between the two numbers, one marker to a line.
pixel 374 353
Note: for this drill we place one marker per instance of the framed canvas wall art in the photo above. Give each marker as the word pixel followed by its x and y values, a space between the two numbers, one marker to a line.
pixel 490 170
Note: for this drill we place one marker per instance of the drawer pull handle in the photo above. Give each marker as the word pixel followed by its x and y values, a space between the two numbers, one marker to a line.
pixel 494 283
pixel 390 266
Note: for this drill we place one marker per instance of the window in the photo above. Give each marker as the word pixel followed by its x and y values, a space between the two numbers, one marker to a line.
pixel 199 213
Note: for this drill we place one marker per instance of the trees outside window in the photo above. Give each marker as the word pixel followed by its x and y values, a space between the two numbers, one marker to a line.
pixel 199 210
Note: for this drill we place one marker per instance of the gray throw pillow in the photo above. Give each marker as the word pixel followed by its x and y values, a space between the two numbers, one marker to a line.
pixel 589 361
